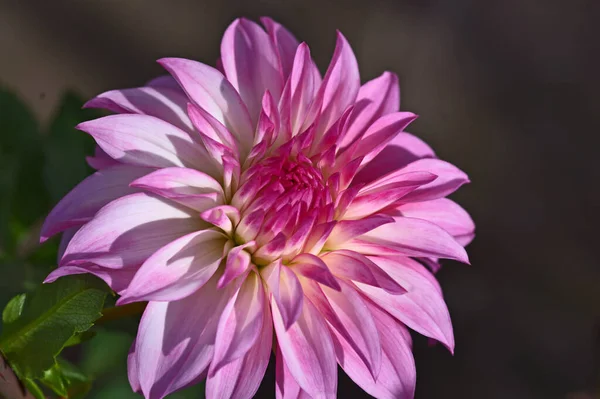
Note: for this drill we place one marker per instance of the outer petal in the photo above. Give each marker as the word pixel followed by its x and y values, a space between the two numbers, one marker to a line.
pixel 422 308
pixel 241 378
pixel 211 91
pixel 356 267
pixel 347 313
pixel 97 190
pixel 285 290
pixel 117 280
pixel 164 103
pixel 373 199
pixel 100 159
pixel 410 237
pixel 376 98
pixel 128 230
pixel 175 345
pixel 345 230
pixel 132 370
pixel 211 127
pixel 240 324
pixel 397 377
pixel 399 152
pixel 166 81
pixel 299 92
pixel 286 386
pixel 145 141
pixel 251 64
pixel 313 267
pixel 444 212
pixel 189 187
pixel 284 42
pixel 65 239
pixel 339 88
pixel 450 178
pixel 378 136
pixel 178 269
pixel 308 351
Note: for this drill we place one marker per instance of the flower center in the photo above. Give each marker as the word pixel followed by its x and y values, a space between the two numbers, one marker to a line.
pixel 280 200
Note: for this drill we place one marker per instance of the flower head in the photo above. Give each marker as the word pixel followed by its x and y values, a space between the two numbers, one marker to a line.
pixel 259 207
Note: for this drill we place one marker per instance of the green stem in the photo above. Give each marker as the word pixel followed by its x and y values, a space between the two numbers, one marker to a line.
pixel 121 312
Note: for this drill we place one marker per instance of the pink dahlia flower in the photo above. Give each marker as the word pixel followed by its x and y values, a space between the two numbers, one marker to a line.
pixel 259 207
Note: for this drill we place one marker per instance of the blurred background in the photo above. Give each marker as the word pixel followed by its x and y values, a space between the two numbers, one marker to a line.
pixel 505 89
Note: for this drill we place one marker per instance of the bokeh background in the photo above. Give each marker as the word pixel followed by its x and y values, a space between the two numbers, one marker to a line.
pixel 505 89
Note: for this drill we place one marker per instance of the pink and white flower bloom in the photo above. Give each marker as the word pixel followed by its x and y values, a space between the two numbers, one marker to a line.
pixel 261 208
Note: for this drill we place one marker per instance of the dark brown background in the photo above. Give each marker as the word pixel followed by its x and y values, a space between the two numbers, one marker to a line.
pixel 506 89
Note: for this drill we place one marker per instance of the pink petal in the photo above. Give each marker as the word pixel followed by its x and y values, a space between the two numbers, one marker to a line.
pixel 286 386
pixel 339 88
pixel 397 377
pixel 100 160
pixel 345 230
pixel 132 370
pixel 241 378
pixel 145 141
pixel 399 152
pixel 250 225
pixel 379 135
pixel 410 237
pixel 65 239
pixel 450 178
pixel 422 308
pixel 97 190
pixel 211 91
pixel 356 267
pixel 238 262
pixel 372 199
pixel 285 290
pixel 211 127
pixel 175 341
pixel 444 212
pixel 297 240
pixel 251 63
pixel 178 269
pixel 268 127
pixel 271 251
pixel 348 315
pixel 128 230
pixel 117 280
pixel 240 324
pixel 164 103
pixel 166 81
pixel 299 92
pixel 465 239
pixel 308 351
pixel 318 237
pixel 225 217
pixel 375 98
pixel 189 187
pixel 313 267
pixel 284 42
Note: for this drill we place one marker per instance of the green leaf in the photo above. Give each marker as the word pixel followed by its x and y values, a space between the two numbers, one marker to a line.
pixel 48 319
pixel 66 380
pixel 34 388
pixel 80 338
pixel 13 309
pixel 65 148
